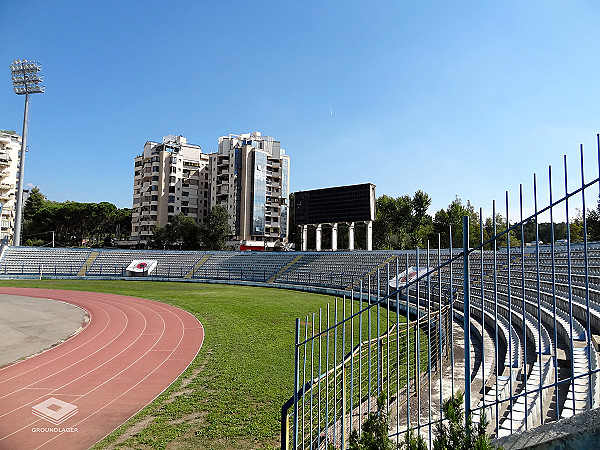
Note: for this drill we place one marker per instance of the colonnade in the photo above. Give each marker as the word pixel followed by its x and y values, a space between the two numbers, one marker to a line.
pixel 334 235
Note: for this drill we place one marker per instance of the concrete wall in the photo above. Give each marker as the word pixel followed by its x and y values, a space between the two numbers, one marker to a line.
pixel 578 432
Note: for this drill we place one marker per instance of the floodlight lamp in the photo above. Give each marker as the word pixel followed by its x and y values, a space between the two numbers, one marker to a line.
pixel 26 78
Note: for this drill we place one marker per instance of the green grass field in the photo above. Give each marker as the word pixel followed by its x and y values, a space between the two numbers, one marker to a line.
pixel 231 395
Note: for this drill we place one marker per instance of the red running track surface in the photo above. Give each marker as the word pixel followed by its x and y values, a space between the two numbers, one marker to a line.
pixel 130 351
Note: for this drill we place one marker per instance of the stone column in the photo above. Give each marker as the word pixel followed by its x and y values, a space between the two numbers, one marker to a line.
pixel 304 237
pixel 319 237
pixel 334 235
pixel 351 235
pixel 370 235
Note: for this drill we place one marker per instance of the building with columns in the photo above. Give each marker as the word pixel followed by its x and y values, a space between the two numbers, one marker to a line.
pixel 333 207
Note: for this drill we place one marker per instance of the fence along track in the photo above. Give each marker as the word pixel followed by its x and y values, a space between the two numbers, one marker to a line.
pixel 526 315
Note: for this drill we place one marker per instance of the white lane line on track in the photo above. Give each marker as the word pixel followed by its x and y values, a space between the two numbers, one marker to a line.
pixel 58 357
pixel 155 369
pixel 88 372
pixel 145 305
pixel 76 362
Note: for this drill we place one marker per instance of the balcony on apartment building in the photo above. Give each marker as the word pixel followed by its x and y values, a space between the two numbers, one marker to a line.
pixel 272 212
pixel 223 189
pixel 273 184
pixel 274 163
pixel 222 179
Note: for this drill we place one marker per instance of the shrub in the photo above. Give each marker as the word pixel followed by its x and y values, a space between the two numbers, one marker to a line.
pixel 454 433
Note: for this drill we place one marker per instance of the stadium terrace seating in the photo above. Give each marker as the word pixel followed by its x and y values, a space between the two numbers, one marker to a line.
pixel 32 260
pixel 537 303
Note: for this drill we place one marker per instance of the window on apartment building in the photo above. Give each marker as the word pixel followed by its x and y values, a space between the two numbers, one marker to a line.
pixel 184 203
pixel 171 199
pixel 171 209
pixel 185 194
pixel 154 198
pixel 154 188
pixel 173 169
pixel 155 169
pixel 154 208
pixel 171 189
pixel 172 179
pixel 155 178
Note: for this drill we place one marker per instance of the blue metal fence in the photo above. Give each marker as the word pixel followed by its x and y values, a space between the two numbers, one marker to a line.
pixel 510 324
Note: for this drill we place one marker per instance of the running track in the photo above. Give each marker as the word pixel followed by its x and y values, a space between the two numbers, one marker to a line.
pixel 130 351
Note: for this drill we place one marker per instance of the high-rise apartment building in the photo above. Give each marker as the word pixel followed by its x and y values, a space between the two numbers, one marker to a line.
pixel 10 146
pixel 250 177
pixel 170 178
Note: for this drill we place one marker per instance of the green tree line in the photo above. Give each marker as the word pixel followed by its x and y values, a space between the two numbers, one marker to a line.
pixel 183 233
pixel 403 223
pixel 73 224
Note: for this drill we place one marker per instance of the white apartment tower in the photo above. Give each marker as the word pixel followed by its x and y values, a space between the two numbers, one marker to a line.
pixel 10 146
pixel 170 178
pixel 250 177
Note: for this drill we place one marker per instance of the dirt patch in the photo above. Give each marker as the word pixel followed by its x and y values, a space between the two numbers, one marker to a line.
pixel 131 431
pixel 189 417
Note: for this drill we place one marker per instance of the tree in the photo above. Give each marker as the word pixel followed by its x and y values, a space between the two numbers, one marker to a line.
pixel 73 223
pixel 402 222
pixel 386 224
pixel 34 203
pixel 374 434
pixel 458 431
pixel 453 217
pixel 181 233
pixel 455 432
pixel 514 235
pixel 422 223
pixel 593 223
pixel 215 230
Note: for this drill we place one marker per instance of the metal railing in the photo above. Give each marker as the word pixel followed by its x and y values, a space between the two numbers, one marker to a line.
pixel 511 325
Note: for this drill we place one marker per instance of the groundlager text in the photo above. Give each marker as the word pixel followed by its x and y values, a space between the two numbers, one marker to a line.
pixel 54 430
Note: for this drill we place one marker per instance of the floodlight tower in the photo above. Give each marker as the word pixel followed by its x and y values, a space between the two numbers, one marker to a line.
pixel 26 78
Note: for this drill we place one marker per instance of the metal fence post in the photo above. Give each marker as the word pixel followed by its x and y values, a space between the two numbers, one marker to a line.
pixel 344 400
pixel 467 315
pixel 296 381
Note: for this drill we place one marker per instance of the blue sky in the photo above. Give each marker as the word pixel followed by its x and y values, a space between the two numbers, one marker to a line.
pixel 454 98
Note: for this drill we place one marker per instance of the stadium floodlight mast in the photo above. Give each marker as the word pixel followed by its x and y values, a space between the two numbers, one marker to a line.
pixel 27 79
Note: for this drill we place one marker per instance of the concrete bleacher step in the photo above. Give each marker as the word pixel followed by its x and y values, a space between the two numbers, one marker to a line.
pixel 199 264
pixel 284 269
pixel 372 271
pixel 88 263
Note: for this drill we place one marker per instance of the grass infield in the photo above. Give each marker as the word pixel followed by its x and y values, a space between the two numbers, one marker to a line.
pixel 231 395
